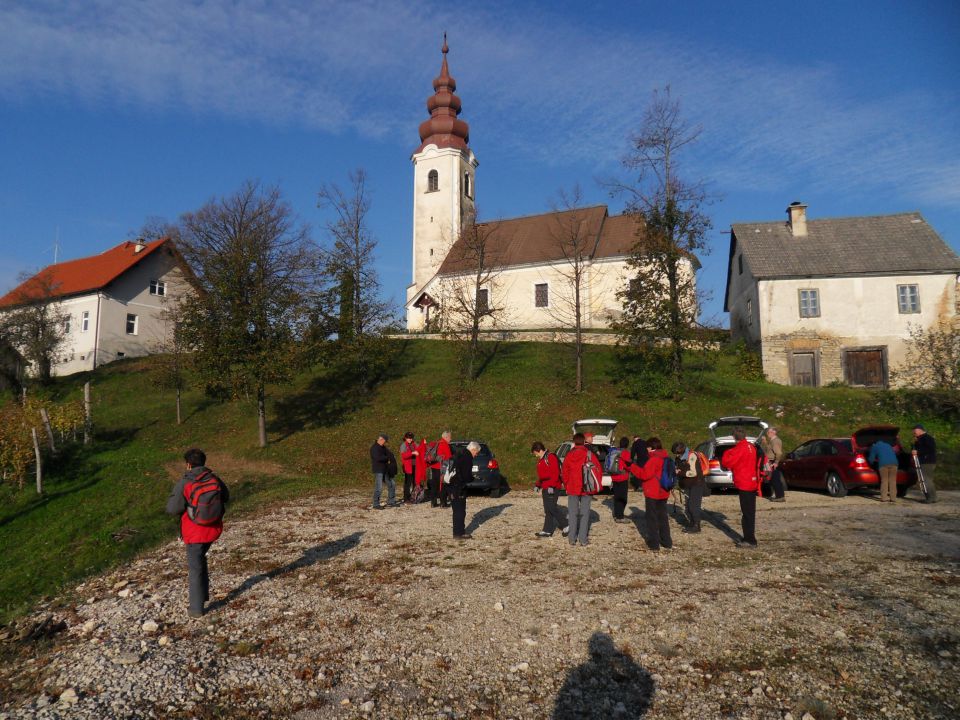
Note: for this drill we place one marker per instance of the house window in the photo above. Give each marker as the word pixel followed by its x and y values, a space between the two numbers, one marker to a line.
pixel 84 321
pixel 158 287
pixel 809 303
pixel 740 265
pixel 483 300
pixel 66 325
pixel 467 190
pixel 908 298
pixel 749 312
pixel 541 295
pixel 131 324
pixel 433 181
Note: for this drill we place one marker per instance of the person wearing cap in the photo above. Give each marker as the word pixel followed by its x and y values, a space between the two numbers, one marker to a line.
pixel 925 451
pixel 380 457
pixel 772 447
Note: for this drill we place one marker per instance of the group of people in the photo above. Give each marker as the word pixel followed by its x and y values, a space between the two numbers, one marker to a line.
pixel 652 470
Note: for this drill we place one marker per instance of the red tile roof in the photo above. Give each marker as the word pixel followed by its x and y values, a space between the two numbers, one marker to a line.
pixel 76 277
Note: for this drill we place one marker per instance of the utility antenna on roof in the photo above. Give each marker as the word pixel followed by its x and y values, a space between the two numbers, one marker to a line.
pixel 56 246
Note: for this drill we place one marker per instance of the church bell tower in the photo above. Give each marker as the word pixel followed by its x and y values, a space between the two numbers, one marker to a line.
pixel 444 168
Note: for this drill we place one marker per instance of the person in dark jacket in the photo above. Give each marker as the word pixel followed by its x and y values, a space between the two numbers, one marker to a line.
pixel 548 485
pixel 690 479
pixel 463 472
pixel 654 496
pixel 620 475
pixel 638 456
pixel 379 464
pixel 197 538
pixel 925 450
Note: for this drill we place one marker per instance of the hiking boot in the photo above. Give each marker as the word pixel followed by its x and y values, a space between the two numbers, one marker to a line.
pixel 691 529
pixel 543 534
pixel 465 536
pixel 565 531
pixel 195 613
pixel 776 499
pixel 620 520
pixel 747 545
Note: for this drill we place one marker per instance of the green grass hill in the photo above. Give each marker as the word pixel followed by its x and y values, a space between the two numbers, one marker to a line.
pixel 104 503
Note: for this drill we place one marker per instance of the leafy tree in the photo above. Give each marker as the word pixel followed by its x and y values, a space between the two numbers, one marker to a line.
pixel 35 323
pixel 661 302
pixel 257 271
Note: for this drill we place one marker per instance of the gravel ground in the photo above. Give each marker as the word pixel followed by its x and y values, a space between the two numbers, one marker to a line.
pixel 849 609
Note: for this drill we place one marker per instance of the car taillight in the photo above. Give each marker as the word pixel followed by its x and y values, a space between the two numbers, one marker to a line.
pixel 714 464
pixel 493 464
pixel 859 462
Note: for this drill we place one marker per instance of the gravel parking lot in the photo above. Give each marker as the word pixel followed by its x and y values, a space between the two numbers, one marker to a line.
pixel 849 609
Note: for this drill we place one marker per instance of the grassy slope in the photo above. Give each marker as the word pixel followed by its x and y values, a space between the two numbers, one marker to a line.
pixel 321 429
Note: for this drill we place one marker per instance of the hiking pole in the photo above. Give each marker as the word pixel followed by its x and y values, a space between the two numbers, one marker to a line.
pixel 920 478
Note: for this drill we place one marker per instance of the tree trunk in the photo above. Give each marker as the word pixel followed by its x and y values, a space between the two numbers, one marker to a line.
pixel 87 417
pixel 179 418
pixel 578 335
pixel 39 457
pixel 262 415
pixel 45 416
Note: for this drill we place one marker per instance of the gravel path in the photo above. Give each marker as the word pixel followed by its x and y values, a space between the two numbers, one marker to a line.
pixel 849 609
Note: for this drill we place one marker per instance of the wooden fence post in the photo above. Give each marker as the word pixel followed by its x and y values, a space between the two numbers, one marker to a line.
pixel 36 452
pixel 45 416
pixel 87 419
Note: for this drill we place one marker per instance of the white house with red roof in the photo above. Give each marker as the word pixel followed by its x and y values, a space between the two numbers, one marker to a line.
pixel 114 302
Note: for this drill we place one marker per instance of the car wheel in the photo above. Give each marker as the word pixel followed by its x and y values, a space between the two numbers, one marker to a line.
pixel 901 490
pixel 835 486
pixel 497 489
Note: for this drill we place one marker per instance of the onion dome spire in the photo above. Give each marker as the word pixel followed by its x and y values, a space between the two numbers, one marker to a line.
pixel 444 129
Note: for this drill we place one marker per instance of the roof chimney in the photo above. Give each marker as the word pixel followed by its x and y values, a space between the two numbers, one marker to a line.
pixel 797 212
pixel 139 245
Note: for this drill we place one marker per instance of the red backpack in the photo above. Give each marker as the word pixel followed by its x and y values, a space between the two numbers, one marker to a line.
pixel 205 499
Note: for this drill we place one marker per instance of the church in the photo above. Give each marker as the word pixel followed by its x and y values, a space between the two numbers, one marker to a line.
pixel 535 269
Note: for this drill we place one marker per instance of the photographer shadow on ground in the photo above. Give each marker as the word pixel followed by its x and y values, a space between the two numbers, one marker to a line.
pixel 608 685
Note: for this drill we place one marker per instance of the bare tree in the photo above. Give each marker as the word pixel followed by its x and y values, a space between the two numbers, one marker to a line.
pixel 467 296
pixel 661 301
pixel 932 358
pixel 574 242
pixel 347 262
pixel 34 322
pixel 256 269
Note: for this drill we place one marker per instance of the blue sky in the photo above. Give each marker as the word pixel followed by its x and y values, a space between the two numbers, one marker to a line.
pixel 112 112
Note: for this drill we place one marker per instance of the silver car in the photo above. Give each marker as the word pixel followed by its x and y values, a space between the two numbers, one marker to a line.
pixel 600 438
pixel 721 440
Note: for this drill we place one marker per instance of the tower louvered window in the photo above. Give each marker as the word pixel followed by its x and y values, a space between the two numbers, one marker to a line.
pixel 433 181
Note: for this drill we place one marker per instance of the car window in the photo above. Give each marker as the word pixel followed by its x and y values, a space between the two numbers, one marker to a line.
pixel 805 450
pixel 704 448
pixel 845 445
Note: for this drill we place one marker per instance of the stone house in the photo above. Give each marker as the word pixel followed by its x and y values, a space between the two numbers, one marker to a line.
pixel 113 302
pixel 833 300
pixel 531 268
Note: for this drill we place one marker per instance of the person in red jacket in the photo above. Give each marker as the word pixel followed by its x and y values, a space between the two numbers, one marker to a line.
pixel 654 496
pixel 741 460
pixel 420 467
pixel 408 457
pixel 548 485
pixel 578 502
pixel 620 476
pixel 198 538
pixel 439 493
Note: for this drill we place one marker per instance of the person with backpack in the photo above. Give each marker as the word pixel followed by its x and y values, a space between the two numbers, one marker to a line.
pixel 548 485
pixel 690 466
pixel 772 447
pixel 582 475
pixel 200 499
pixel 379 464
pixel 741 461
pixel 658 475
pixel 439 454
pixel 617 465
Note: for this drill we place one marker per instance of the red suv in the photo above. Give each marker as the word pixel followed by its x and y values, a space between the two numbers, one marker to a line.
pixel 863 438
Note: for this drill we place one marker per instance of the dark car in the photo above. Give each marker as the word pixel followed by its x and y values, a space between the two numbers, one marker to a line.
pixel 831 464
pixel 486 469
pixel 863 438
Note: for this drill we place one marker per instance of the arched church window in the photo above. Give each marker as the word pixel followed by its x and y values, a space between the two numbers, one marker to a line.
pixel 467 190
pixel 433 181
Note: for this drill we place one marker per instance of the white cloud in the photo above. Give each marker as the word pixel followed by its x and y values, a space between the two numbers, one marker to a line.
pixel 544 87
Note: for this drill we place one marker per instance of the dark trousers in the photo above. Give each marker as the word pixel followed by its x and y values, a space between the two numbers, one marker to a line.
pixel 433 486
pixel 197 575
pixel 776 482
pixel 459 505
pixel 408 482
pixel 553 516
pixel 748 515
pixel 619 498
pixel 658 524
pixel 694 504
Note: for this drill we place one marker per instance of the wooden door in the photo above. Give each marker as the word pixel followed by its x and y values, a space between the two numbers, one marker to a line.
pixel 805 369
pixel 864 367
